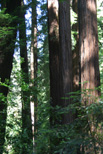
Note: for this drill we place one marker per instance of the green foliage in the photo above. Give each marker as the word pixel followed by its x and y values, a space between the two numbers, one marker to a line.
pixel 14 135
pixel 13 126
pixel 5 28
pixel 68 138
pixel 62 139
pixel 84 131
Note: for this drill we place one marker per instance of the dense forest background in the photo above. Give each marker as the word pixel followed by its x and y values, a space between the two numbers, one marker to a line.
pixel 51 77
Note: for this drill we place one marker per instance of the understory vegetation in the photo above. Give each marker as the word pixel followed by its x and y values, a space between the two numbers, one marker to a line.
pixel 50 135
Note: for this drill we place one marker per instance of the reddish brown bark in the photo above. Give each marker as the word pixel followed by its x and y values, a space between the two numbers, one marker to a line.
pixel 65 57
pixel 89 59
pixel 60 60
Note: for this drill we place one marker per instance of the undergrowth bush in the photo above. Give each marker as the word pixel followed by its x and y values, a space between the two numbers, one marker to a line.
pixel 84 135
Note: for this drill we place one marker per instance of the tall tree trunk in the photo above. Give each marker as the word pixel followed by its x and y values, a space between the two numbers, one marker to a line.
pixel 53 25
pixel 7 45
pixel 88 43
pixel 33 66
pixel 26 117
pixel 89 59
pixel 60 58
pixel 65 58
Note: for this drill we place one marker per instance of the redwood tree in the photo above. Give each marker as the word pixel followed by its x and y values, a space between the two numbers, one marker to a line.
pixel 89 61
pixel 53 25
pixel 60 61
pixel 88 46
pixel 65 58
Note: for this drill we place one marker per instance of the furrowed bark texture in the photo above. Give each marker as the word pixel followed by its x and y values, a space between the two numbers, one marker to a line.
pixel 65 58
pixel 88 42
pixel 89 62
